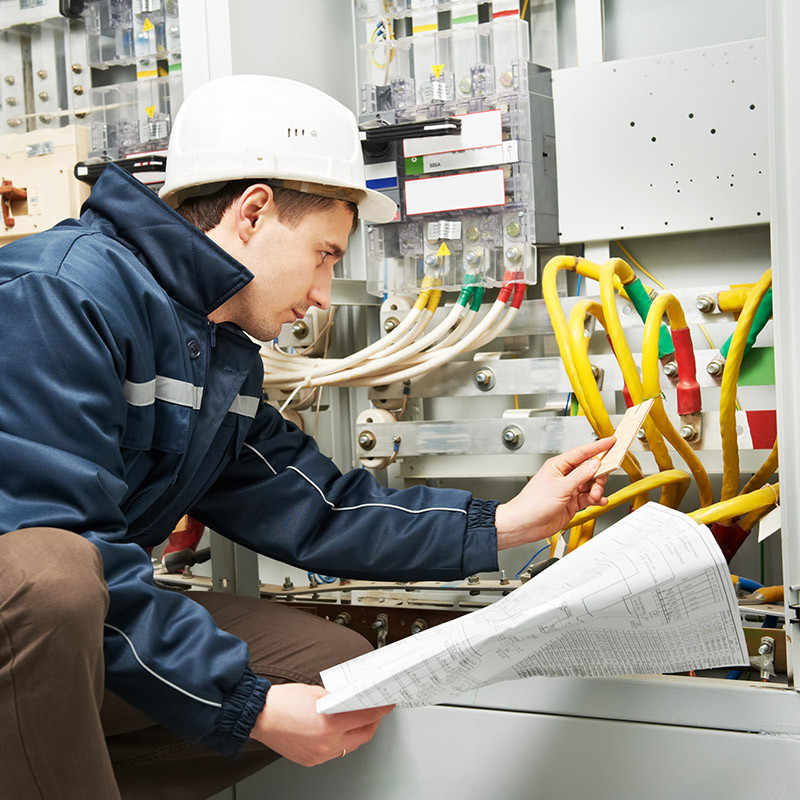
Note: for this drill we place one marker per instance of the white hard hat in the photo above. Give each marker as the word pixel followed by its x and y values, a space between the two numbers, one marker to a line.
pixel 257 126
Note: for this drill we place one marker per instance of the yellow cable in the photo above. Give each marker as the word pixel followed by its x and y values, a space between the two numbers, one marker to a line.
pixel 651 382
pixel 730 379
pixel 765 472
pixel 583 367
pixel 736 506
pixel 627 493
pixel 624 356
pixel 561 330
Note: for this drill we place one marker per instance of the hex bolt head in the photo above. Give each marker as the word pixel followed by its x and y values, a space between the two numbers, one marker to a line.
pixel 473 579
pixel 44 96
pixel 503 578
pixel 432 261
pixel 473 258
pixel 513 255
pixel 641 435
pixel 77 89
pixel 300 329
pixel 287 583
pixel 390 324
pixel 595 371
pixel 366 440
pixel 465 86
pixel 419 625
pixel 714 368
pixel 671 369
pixel 42 74
pixel 705 303
pixel 472 234
pixel 506 79
pixel 513 230
pixel 484 378
pixel 513 437
pixel 688 432
pixel 11 101
pixel 77 68
pixel 10 80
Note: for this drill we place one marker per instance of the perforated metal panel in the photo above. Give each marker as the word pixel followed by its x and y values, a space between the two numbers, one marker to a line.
pixel 668 143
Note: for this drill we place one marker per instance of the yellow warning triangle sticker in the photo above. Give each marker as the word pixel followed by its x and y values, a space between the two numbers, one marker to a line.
pixel 443 251
pixel 148 26
pixel 437 69
pixel 150 110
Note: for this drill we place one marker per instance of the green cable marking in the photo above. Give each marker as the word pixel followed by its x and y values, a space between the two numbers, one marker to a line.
pixel 467 288
pixel 642 302
pixel 762 317
pixel 477 298
pixel 465 18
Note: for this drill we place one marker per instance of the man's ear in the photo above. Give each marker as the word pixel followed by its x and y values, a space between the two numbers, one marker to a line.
pixel 252 207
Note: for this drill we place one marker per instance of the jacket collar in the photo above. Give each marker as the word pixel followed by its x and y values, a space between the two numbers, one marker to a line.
pixel 192 269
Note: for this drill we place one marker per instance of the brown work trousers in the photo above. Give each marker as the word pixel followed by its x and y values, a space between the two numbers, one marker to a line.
pixel 62 735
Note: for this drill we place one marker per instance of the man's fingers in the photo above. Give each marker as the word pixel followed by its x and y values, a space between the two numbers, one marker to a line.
pixel 578 455
pixel 352 720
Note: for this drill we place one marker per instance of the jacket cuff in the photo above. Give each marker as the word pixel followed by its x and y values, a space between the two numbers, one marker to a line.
pixel 238 715
pixel 480 539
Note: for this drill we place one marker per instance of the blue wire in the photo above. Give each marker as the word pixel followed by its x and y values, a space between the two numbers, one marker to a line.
pixel 316 578
pixel 516 577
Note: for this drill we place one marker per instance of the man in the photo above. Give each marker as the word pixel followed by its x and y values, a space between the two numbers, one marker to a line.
pixel 129 397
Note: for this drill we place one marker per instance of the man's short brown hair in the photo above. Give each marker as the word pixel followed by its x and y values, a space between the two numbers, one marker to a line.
pixel 205 211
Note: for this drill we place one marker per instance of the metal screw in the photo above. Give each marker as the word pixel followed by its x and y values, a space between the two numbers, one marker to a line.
pixel 671 369
pixel 465 86
pixel 653 294
pixel 513 229
pixel 473 258
pixel 714 368
pixel 11 101
pixel 77 89
pixel 42 73
pixel 688 432
pixel 343 618
pixel 506 79
pixel 473 579
pixel 287 583
pixel 472 234
pixel 14 123
pixel 595 371
pixel 300 329
pixel 432 261
pixel 44 96
pixel 366 440
pixel 513 255
pixel 706 303
pixel 77 68
pixel 396 439
pixel 513 437
pixel 641 435
pixel 174 30
pixel 390 324
pixel 10 80
pixel 379 623
pixel 484 378
pixel 503 578
pixel 418 625
pixel 46 118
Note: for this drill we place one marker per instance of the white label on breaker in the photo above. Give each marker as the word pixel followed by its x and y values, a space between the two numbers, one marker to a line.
pixel 444 229
pixel 451 192
pixel 507 153
pixel 482 129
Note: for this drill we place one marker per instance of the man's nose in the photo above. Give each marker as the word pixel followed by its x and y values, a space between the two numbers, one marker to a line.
pixel 320 293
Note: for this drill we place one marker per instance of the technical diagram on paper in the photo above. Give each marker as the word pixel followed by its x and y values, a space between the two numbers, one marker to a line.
pixel 651 594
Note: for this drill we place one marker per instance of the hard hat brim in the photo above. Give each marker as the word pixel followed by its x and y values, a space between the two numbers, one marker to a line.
pixel 377 207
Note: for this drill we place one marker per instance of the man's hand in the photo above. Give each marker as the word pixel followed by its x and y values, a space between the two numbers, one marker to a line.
pixel 563 486
pixel 290 725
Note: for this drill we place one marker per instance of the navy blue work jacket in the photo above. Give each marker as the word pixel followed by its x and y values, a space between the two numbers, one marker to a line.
pixel 122 408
